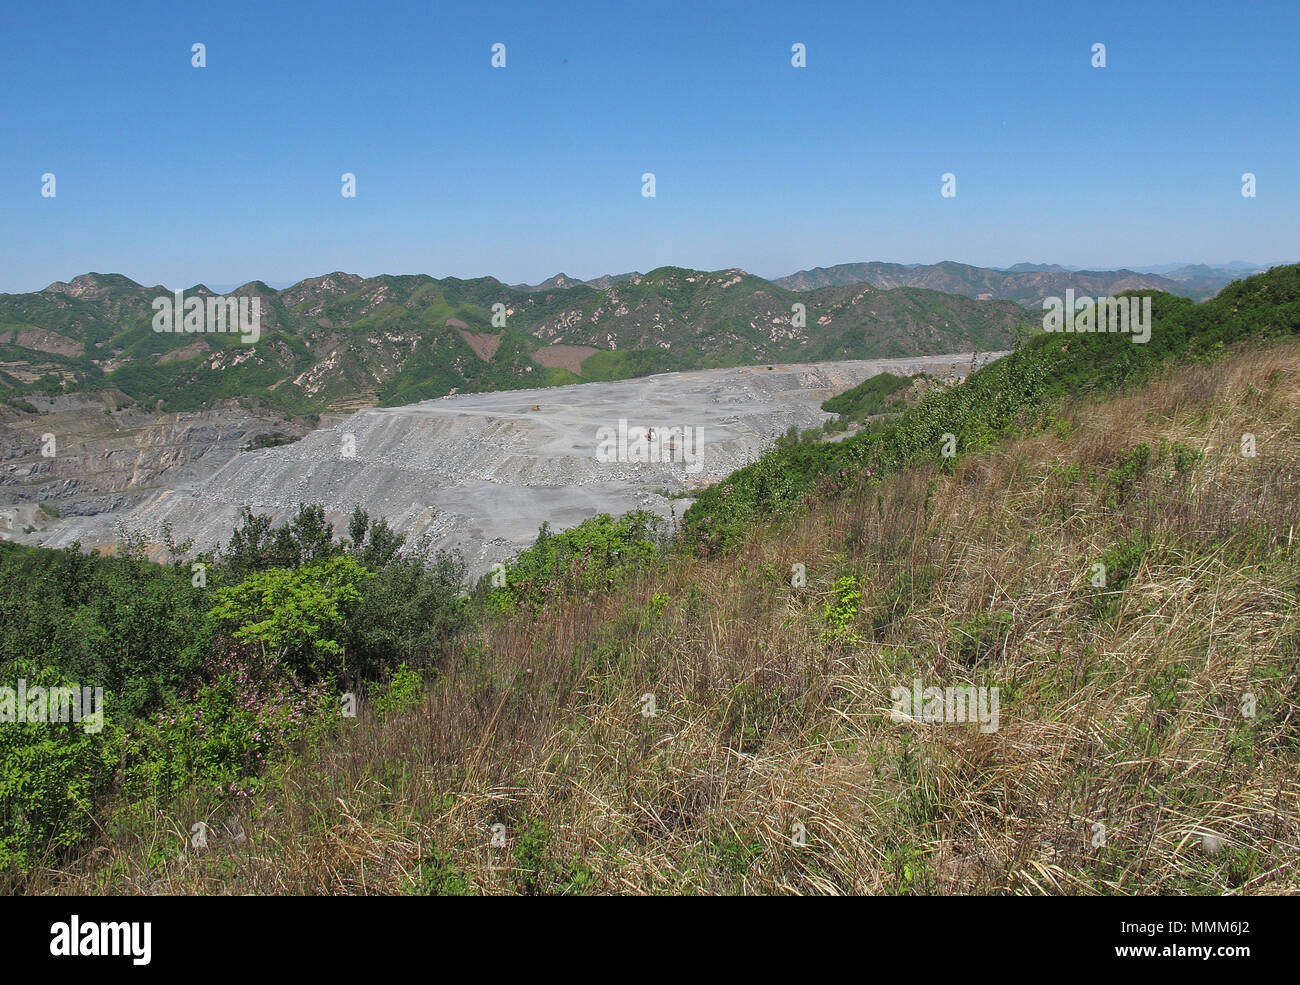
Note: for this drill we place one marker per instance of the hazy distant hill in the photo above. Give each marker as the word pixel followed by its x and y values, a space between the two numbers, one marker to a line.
pixel 1237 268
pixel 341 341
pixel 1025 268
pixel 1206 277
pixel 1027 283
pixel 564 280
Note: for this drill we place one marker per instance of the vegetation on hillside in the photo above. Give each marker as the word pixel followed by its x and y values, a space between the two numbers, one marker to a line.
pixel 209 668
pixel 1017 392
pixel 880 394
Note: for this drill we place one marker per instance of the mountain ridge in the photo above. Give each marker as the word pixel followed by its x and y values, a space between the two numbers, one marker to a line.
pixel 338 340
pixel 1025 283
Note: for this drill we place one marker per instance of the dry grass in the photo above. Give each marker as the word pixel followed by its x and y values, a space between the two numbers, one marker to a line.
pixel 1122 710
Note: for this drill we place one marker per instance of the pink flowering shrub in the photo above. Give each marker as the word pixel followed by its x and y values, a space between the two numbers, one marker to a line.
pixel 221 732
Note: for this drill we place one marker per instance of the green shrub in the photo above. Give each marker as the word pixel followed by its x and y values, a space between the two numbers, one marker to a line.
pixel 402 694
pixel 439 876
pixel 1120 564
pixel 538 871
pixel 981 636
pixel 1122 481
pixel 52 777
pixel 297 615
pixel 224 731
pixel 410 611
pixel 840 612
pixel 878 395
pixel 599 554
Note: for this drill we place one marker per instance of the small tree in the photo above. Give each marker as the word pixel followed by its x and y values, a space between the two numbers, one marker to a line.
pixel 298 615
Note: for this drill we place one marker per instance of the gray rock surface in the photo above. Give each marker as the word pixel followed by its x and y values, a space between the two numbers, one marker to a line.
pixel 481 472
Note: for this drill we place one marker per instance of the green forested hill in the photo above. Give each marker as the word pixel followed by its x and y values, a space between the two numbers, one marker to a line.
pixel 340 341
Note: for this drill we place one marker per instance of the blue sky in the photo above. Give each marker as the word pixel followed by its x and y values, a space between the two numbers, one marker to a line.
pixel 175 175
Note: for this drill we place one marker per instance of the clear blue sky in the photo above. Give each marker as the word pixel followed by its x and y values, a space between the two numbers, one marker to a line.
pixel 176 175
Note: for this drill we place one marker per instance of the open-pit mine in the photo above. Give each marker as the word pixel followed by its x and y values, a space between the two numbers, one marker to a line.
pixel 476 472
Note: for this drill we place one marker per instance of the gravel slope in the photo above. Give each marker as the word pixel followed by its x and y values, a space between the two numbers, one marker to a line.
pixel 481 472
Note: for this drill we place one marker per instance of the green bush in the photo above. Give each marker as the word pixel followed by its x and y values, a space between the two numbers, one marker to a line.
pixel 981 636
pixel 224 731
pixel 52 775
pixel 1122 481
pixel 598 554
pixel 878 395
pixel 538 871
pixel 840 612
pixel 402 693
pixel 298 615
pixel 1121 564
pixel 409 611
pixel 439 876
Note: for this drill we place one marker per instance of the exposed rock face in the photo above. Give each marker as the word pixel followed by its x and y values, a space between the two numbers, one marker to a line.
pixel 479 472
pixel 105 461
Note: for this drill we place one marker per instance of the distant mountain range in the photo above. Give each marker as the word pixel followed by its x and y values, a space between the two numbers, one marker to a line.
pixel 1025 283
pixel 1199 276
pixel 341 341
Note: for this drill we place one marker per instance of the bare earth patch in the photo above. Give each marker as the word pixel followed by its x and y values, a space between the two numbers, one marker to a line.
pixel 41 341
pixel 568 357
pixel 191 351
pixel 484 344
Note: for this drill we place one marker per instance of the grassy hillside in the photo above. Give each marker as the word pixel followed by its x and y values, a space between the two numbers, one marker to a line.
pixel 1012 393
pixel 713 713
pixel 880 394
